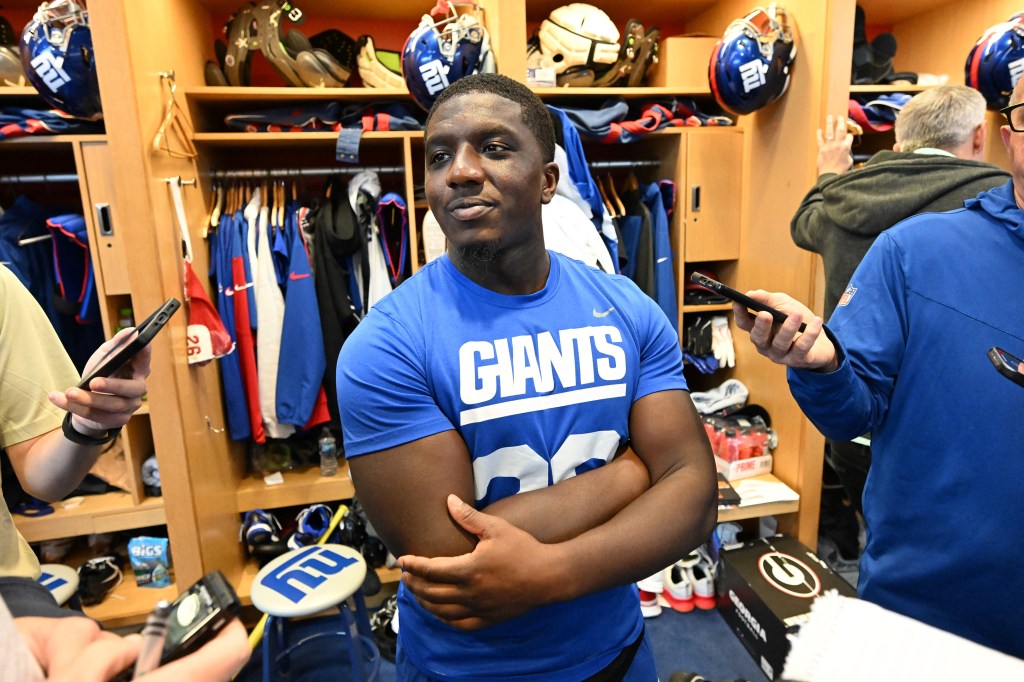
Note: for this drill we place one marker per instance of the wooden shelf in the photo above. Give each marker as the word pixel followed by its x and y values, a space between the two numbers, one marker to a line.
pixel 275 139
pixel 299 488
pixel 627 93
pixel 96 514
pixel 758 510
pixel 714 307
pixel 129 604
pixel 47 139
pixel 883 89
pixel 290 95
pixel 19 91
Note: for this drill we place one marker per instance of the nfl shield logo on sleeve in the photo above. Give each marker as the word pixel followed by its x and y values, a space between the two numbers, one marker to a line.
pixel 847 295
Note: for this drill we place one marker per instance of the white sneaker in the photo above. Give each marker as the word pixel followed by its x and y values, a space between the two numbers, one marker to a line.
pixel 650 588
pixel 678 589
pixel 702 577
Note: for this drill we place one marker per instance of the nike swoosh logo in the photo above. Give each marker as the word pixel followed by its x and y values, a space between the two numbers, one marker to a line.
pixel 295 275
pixel 604 314
pixel 661 260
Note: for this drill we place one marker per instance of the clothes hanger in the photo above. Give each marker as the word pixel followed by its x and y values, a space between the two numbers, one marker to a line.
pixel 615 196
pixel 216 206
pixel 604 198
pixel 631 183
pixel 175 125
pixel 281 201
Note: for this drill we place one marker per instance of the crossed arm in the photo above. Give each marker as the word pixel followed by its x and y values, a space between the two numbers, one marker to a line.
pixel 460 563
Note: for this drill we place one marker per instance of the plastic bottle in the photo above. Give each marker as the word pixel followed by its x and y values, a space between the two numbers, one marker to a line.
pixel 328 454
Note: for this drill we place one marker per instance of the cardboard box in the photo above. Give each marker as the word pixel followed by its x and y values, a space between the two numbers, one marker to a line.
pixel 744 468
pixel 683 63
pixel 765 590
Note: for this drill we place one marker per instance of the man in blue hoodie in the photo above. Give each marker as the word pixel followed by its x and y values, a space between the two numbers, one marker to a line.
pixel 905 357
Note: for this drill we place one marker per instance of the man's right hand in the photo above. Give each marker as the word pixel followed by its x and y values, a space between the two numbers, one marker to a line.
pixel 784 344
pixel 834 144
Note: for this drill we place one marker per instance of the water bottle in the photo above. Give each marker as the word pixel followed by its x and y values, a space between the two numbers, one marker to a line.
pixel 328 454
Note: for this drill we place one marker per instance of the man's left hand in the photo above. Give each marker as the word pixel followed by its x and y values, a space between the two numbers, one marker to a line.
pixel 505 576
pixel 112 400
pixel 834 145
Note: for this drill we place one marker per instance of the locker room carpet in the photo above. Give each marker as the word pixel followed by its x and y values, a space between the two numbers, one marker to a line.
pixel 698 642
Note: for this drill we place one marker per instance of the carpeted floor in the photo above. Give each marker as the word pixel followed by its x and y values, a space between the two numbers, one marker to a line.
pixel 698 642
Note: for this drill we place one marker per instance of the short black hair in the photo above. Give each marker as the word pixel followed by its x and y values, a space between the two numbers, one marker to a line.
pixel 534 113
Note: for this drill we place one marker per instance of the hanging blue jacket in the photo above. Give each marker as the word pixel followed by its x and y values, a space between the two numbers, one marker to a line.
pixel 659 199
pixel 230 369
pixel 303 362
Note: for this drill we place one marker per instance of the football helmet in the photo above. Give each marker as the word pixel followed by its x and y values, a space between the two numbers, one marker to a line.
pixel 294 57
pixel 749 66
pixel 438 53
pixel 995 63
pixel 57 57
pixel 580 42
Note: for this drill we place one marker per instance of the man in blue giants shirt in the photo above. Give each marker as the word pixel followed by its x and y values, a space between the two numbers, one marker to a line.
pixel 904 356
pixel 487 405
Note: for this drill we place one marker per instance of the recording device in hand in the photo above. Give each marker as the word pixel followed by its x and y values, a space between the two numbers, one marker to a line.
pixel 195 617
pixel 750 303
pixel 131 344
pixel 1006 364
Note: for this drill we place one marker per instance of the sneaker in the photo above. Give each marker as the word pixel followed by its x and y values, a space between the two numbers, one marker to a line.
pixel 649 605
pixel 650 588
pixel 702 577
pixel 383 623
pixel 311 523
pixel 96 578
pixel 678 589
pixel 258 528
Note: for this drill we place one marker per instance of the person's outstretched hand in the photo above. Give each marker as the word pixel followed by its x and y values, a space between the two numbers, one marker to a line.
pixel 783 343
pixel 77 650
pixel 503 577
pixel 112 400
pixel 834 145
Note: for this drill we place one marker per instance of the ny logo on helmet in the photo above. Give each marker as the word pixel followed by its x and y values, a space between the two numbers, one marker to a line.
pixel 51 70
pixel 434 77
pixel 752 74
pixel 1016 69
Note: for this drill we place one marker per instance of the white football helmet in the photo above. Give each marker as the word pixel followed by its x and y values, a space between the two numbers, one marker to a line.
pixel 579 36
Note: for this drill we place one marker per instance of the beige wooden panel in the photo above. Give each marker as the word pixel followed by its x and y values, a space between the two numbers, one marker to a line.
pixel 711 192
pixel 108 247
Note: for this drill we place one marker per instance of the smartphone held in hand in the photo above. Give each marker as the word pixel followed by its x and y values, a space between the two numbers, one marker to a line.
pixel 1007 364
pixel 132 343
pixel 750 303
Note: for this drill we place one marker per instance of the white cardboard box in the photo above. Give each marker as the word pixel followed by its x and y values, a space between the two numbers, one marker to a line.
pixel 744 468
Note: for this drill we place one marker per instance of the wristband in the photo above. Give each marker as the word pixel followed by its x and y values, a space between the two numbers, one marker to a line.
pixel 75 437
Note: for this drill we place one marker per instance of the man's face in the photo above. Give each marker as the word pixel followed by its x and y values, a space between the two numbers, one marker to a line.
pixel 485 175
pixel 1014 143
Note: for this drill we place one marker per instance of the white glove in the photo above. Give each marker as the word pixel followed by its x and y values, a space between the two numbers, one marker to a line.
pixel 721 341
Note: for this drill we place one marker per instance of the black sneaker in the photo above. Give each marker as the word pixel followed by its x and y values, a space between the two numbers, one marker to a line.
pixel 383 632
pixel 96 578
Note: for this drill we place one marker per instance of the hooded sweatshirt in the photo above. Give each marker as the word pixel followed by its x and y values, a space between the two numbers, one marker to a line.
pixel 943 496
pixel 843 214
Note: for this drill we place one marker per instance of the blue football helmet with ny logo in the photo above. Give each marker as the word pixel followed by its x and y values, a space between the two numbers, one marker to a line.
pixel 996 62
pixel 749 66
pixel 58 59
pixel 439 52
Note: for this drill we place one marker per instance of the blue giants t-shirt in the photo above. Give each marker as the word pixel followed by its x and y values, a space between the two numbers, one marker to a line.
pixel 540 388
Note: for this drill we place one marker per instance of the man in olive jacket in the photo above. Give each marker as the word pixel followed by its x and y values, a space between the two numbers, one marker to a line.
pixel 936 164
